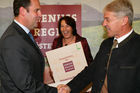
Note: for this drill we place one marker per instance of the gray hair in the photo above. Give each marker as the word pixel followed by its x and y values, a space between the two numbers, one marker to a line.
pixel 121 8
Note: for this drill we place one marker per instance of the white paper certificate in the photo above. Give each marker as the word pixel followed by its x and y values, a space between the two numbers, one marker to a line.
pixel 66 62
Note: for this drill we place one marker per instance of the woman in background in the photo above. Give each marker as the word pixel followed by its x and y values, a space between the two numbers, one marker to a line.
pixel 68 35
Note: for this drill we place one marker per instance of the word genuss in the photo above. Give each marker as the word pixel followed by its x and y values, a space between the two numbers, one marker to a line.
pixel 55 17
pixel 50 19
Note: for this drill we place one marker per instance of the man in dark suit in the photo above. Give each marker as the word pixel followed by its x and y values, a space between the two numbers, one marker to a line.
pixel 117 69
pixel 21 61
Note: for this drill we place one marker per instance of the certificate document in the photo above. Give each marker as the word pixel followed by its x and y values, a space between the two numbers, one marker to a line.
pixel 66 62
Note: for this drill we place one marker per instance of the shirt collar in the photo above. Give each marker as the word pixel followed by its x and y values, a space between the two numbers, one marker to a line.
pixel 22 26
pixel 124 36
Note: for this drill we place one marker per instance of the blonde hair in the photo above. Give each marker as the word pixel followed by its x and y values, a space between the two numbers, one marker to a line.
pixel 121 8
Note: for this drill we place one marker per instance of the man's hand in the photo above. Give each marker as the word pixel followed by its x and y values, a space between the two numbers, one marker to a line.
pixel 63 88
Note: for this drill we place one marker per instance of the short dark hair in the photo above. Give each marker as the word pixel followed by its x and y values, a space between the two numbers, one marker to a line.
pixel 70 21
pixel 20 3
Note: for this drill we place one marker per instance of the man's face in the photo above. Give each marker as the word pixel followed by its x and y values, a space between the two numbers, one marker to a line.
pixel 112 24
pixel 33 14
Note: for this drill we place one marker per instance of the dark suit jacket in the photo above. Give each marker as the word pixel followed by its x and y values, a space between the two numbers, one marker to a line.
pixel 57 42
pixel 124 69
pixel 21 63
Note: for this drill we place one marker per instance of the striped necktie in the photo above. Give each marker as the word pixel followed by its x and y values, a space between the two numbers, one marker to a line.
pixel 115 43
pixel 31 36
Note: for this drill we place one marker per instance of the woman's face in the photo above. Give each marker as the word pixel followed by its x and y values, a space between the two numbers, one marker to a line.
pixel 66 30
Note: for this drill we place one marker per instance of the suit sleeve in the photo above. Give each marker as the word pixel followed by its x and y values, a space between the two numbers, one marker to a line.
pixel 19 67
pixel 82 79
pixel 86 76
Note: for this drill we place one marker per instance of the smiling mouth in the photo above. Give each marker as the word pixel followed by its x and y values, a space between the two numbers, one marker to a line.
pixel 65 32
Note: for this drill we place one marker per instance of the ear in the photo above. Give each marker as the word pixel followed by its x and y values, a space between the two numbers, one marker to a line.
pixel 22 11
pixel 125 20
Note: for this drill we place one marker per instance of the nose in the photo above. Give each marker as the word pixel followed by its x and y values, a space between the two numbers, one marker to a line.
pixel 104 23
pixel 64 28
pixel 39 13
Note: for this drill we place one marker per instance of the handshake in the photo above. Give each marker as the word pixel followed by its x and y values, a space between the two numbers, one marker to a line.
pixel 63 88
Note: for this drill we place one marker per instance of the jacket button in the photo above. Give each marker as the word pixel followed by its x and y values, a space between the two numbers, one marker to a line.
pixel 102 80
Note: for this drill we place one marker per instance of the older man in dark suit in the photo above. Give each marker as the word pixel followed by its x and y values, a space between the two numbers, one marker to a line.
pixel 115 69
pixel 21 61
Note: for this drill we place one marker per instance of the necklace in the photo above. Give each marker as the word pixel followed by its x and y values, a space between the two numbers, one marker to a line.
pixel 66 43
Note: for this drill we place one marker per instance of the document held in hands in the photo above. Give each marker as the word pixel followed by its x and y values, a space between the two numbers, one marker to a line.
pixel 66 62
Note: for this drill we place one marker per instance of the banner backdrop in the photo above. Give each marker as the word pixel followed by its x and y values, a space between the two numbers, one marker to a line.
pixel 48 29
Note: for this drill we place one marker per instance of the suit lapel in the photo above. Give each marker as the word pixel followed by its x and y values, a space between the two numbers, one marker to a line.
pixel 26 37
pixel 127 39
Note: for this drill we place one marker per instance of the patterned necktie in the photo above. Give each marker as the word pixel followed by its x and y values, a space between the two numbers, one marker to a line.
pixel 115 43
pixel 104 87
pixel 31 36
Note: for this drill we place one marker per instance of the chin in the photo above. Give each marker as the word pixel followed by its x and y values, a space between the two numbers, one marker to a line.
pixel 66 37
pixel 33 27
pixel 109 35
